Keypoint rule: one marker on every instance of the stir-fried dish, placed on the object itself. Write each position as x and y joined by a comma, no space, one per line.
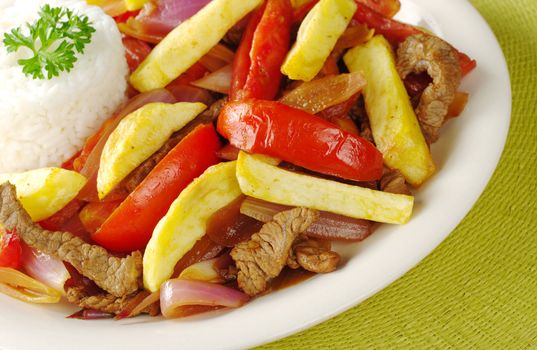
179,156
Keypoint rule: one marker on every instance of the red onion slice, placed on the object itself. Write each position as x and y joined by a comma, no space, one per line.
218,81
177,293
86,314
329,226
44,268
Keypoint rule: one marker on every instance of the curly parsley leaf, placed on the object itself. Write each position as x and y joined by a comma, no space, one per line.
54,39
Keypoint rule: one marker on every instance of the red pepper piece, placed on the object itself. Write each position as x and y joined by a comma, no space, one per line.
135,52
263,48
58,220
290,134
130,226
94,214
10,249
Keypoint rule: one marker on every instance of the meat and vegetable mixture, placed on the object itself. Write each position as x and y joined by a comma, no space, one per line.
253,135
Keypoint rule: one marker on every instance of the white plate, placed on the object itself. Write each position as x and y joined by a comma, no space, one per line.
466,154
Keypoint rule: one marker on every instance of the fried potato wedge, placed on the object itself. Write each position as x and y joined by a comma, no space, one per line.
317,36
393,121
260,179
188,42
138,136
43,192
186,221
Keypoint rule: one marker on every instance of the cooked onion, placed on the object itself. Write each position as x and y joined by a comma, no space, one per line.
45,268
141,302
88,314
208,270
218,81
20,286
329,226
177,293
187,93
317,95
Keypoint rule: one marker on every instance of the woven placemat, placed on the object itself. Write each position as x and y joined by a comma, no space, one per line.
478,290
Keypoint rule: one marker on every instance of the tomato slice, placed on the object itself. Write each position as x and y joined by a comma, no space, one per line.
130,226
263,48
290,134
136,51
10,248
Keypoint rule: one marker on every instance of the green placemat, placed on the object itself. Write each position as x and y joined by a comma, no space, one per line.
478,290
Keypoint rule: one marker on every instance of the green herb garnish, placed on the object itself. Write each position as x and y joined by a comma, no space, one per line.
54,39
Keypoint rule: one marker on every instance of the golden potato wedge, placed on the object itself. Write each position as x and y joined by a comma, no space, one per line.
393,122
138,136
133,5
316,38
43,192
186,221
190,41
260,179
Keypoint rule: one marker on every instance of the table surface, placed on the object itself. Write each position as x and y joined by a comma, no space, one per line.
478,289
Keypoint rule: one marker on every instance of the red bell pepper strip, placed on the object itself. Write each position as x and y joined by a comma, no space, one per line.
396,32
387,8
290,134
130,226
136,51
10,248
94,214
263,48
57,221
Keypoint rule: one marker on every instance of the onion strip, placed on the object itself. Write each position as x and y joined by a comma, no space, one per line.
45,268
20,286
329,226
177,293
218,81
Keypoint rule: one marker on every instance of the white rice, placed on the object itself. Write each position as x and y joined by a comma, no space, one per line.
44,122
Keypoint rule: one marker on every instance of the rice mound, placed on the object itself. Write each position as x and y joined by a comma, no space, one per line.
44,122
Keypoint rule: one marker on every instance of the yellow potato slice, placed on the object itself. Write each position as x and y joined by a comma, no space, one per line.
43,192
317,36
262,180
133,5
138,136
190,41
393,122
186,221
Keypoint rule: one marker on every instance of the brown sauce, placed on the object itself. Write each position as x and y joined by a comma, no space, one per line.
228,226
288,278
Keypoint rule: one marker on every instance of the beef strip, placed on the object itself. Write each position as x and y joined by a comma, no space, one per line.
427,53
117,276
263,257
359,115
394,182
313,255
105,302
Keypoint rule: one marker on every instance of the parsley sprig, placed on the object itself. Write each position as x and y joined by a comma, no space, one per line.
54,39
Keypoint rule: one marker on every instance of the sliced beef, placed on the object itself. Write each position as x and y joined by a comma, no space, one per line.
263,257
394,182
312,255
427,53
105,302
117,276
